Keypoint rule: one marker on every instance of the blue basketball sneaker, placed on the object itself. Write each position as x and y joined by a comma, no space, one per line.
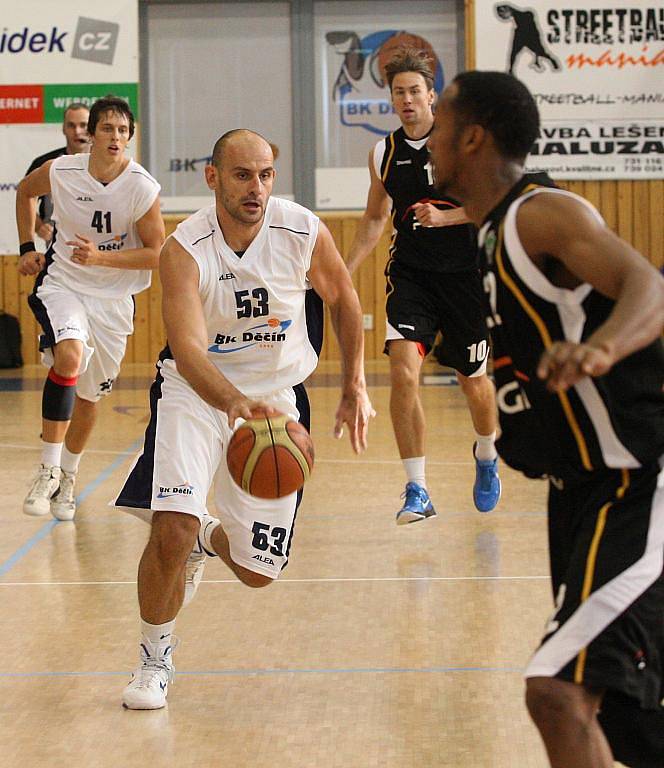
487,488
417,505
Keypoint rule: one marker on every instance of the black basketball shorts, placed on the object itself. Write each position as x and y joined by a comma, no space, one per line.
422,303
606,541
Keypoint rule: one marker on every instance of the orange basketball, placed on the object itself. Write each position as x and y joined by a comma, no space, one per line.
270,456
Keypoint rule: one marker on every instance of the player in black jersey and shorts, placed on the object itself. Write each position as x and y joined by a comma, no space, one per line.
433,285
576,318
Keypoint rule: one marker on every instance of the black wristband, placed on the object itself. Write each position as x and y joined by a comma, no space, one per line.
26,247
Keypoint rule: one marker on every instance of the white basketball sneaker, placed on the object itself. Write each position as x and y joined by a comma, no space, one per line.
63,503
45,484
149,682
196,561
193,572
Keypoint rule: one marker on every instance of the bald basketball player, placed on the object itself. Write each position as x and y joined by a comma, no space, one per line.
247,268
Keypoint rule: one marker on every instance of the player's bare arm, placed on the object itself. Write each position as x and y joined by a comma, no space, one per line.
588,251
150,228
372,223
187,335
331,280
43,229
430,216
30,189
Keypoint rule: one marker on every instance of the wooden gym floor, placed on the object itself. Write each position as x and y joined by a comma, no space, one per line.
398,647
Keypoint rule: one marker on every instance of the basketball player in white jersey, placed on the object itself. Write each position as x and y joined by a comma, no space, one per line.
244,330
108,232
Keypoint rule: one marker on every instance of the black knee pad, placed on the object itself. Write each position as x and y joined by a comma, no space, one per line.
58,398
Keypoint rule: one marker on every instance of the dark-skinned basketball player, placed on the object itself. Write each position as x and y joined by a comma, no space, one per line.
433,285
576,317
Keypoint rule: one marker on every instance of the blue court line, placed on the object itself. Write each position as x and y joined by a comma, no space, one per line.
275,671
22,551
106,473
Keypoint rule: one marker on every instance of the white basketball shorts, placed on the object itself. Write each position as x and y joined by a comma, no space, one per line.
102,325
184,454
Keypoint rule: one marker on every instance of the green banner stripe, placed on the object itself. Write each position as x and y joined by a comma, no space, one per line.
58,97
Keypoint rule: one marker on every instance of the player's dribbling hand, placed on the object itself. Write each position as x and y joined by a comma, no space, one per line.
564,363
84,251
355,411
242,407
31,263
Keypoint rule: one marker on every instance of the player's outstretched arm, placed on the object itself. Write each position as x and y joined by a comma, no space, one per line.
372,223
150,228
566,229
33,186
331,281
187,335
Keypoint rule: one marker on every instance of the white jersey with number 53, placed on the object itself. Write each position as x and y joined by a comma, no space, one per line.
255,304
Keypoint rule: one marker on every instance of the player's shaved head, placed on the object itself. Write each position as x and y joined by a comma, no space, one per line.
240,138
241,174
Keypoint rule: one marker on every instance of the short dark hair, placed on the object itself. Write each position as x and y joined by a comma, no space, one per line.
113,104
408,59
220,144
503,105
74,105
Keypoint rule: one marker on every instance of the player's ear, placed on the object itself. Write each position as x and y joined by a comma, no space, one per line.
473,137
211,176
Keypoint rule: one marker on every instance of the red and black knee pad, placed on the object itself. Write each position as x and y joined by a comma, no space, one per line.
59,396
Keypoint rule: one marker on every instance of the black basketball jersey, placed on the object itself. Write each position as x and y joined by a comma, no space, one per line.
404,167
612,421
45,202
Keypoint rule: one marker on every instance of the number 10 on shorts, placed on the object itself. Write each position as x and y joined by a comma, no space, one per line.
477,352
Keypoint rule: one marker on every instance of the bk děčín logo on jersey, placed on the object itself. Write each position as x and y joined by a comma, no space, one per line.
114,243
265,334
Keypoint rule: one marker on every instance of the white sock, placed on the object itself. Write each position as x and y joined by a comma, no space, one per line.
51,453
485,449
415,470
69,461
157,634
208,525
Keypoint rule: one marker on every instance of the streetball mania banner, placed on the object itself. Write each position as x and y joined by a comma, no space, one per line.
597,74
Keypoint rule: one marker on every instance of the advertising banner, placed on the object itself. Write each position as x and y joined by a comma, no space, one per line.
596,71
354,108
51,55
